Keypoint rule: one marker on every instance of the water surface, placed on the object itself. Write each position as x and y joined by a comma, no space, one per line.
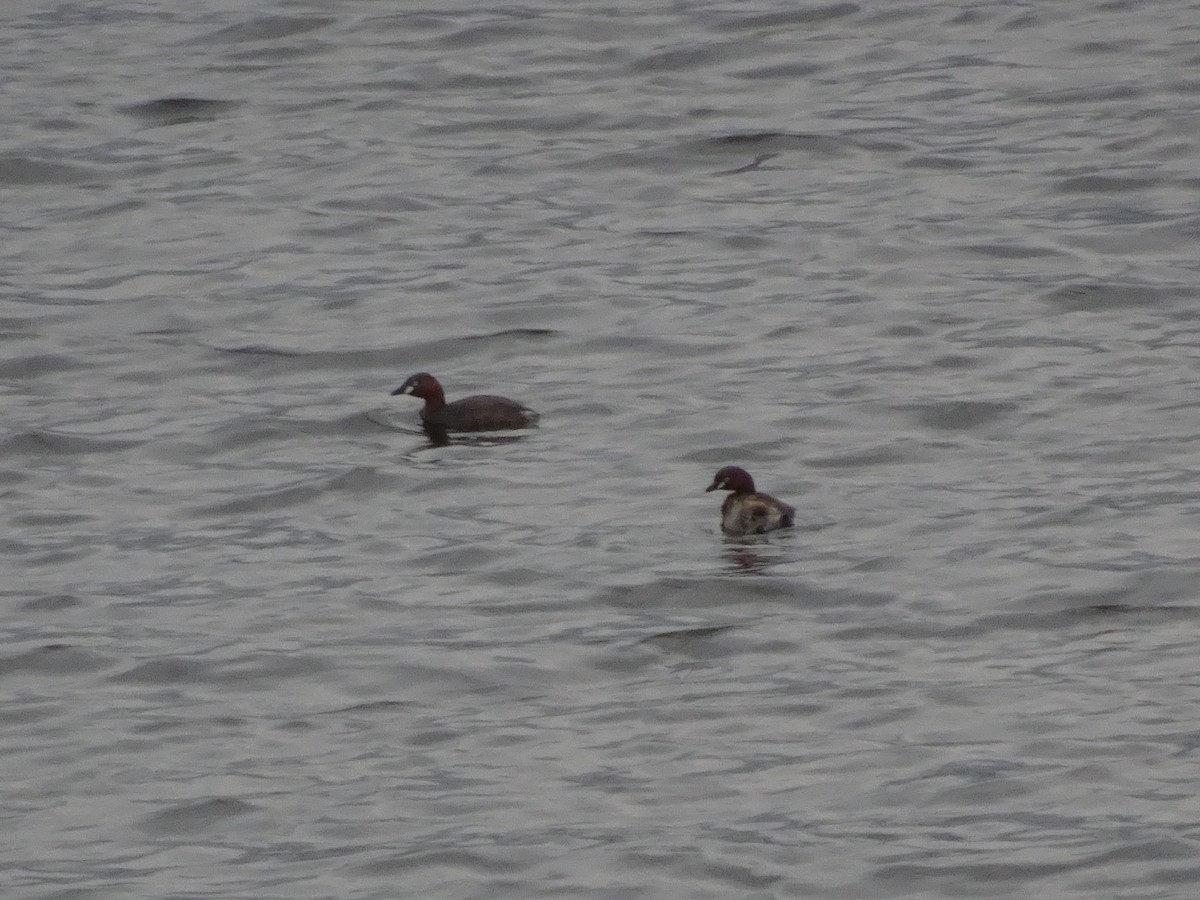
927,270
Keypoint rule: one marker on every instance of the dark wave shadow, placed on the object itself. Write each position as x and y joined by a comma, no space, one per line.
409,357
178,110
683,640
43,442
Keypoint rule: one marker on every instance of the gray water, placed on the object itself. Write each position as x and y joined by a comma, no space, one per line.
927,270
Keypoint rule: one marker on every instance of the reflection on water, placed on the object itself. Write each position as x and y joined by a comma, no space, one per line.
440,437
752,553
746,559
